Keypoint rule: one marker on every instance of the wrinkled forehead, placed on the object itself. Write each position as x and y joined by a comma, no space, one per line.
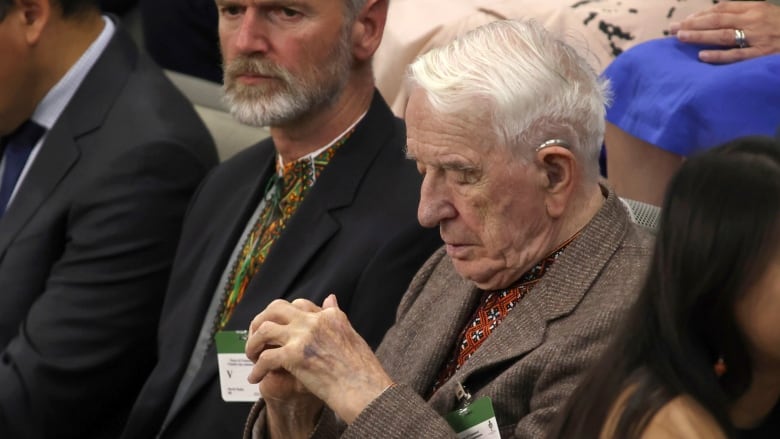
429,129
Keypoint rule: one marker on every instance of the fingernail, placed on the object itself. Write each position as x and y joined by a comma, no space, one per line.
683,34
674,27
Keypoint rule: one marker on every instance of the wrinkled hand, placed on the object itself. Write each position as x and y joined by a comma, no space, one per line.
321,350
715,26
291,410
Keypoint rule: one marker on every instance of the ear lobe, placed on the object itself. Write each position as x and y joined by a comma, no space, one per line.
368,29
558,165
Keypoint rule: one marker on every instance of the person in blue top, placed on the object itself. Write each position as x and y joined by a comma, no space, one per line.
716,79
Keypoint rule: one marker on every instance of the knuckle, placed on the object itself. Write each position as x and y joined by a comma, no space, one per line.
277,303
264,328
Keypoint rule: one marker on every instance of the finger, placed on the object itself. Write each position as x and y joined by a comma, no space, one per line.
674,27
305,305
719,37
729,56
732,7
267,336
279,311
330,302
711,21
270,360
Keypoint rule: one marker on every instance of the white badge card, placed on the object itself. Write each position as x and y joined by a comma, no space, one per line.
234,367
475,421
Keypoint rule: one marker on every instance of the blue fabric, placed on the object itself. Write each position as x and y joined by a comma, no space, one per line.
665,96
16,152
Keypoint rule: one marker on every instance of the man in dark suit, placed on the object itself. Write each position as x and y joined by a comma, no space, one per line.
100,157
327,205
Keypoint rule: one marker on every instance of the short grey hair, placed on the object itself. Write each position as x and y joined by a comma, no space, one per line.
534,86
354,7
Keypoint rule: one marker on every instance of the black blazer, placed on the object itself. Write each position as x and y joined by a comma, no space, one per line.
86,249
355,234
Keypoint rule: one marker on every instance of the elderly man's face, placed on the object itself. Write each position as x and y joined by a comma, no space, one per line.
488,204
283,59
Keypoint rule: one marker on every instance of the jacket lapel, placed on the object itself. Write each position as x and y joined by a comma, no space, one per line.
57,155
212,260
430,329
316,219
60,151
312,225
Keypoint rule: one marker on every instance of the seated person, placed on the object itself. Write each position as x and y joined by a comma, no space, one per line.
325,205
99,155
598,29
676,96
540,260
699,354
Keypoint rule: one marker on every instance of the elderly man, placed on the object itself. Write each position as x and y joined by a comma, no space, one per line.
326,205
540,262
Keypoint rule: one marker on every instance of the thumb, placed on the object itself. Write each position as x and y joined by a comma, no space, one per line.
330,302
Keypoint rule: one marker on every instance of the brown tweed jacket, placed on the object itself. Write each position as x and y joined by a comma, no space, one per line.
532,360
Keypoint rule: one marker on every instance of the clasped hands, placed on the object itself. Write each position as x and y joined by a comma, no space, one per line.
306,356
759,20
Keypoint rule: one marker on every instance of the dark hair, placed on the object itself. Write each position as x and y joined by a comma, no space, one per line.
68,7
74,7
5,6
718,231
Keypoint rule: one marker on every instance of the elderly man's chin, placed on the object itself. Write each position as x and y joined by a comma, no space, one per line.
485,273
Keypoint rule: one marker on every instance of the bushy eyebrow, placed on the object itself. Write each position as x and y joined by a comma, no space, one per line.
447,165
457,166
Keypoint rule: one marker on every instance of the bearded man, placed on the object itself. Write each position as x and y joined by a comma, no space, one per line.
326,205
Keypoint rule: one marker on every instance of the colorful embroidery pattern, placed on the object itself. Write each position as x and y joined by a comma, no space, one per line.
491,311
284,193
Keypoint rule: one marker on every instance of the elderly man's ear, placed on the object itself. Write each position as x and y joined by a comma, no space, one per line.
559,168
368,29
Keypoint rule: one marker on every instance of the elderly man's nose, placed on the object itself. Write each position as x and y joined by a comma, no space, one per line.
434,205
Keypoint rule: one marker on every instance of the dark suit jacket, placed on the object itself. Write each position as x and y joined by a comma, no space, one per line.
355,234
529,364
86,248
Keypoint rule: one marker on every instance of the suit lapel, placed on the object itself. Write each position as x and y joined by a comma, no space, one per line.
312,225
56,157
60,151
212,261
430,329
554,297
315,222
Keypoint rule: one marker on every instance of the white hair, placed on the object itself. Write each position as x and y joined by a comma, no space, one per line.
534,86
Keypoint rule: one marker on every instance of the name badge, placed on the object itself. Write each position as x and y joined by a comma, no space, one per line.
475,421
234,367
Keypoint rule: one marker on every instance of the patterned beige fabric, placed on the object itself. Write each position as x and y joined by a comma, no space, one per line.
599,29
